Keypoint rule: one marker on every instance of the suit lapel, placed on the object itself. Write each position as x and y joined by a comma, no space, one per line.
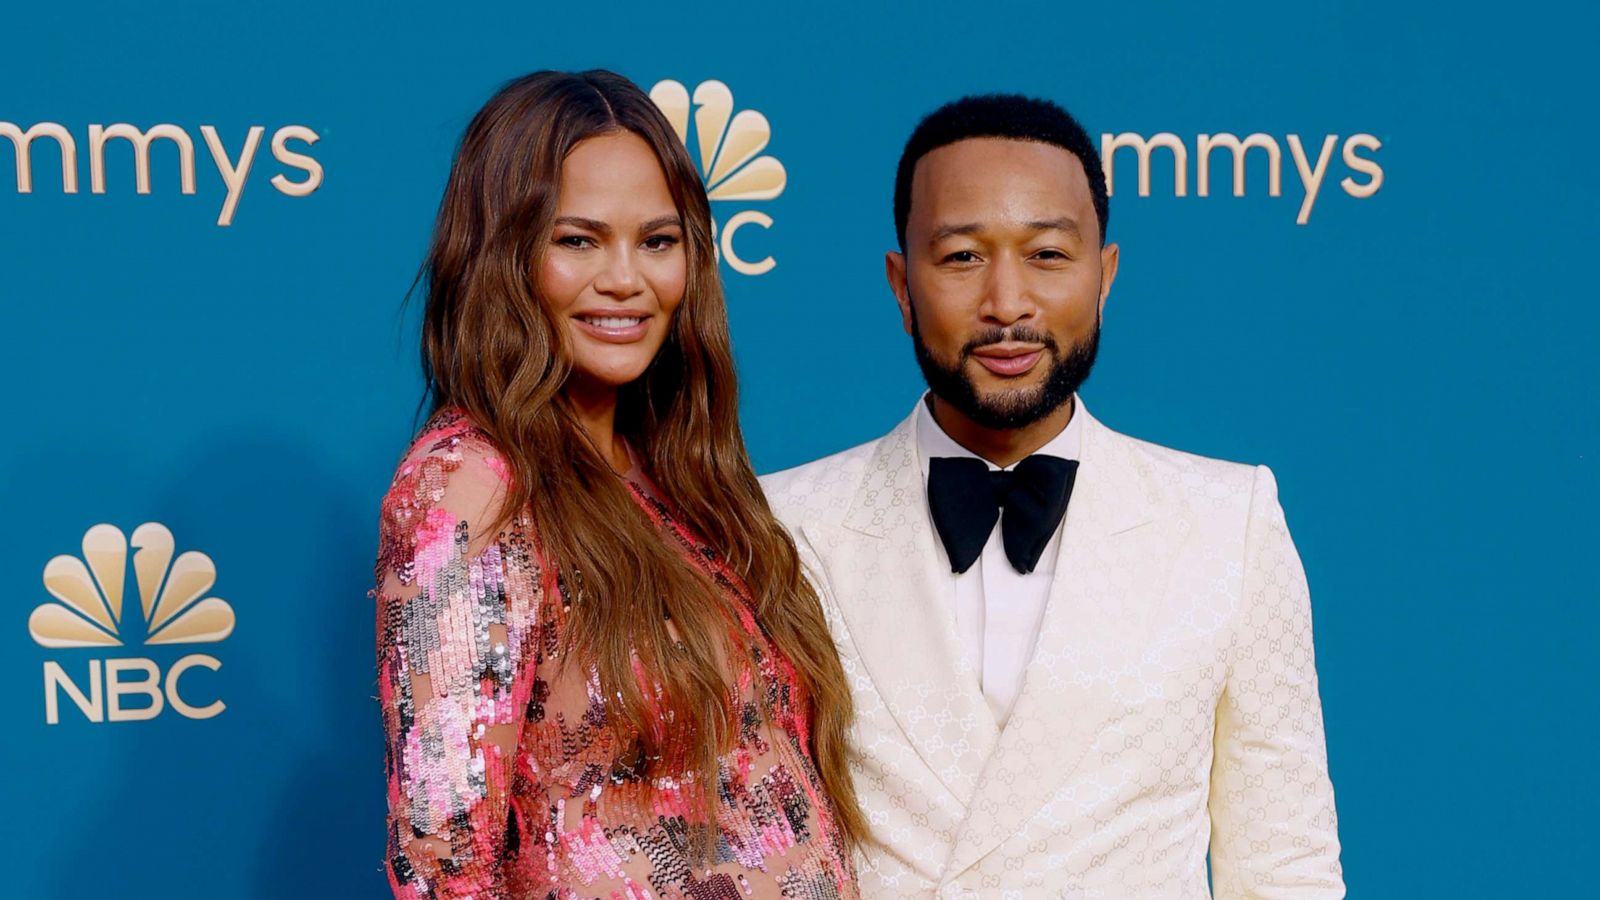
1115,552
885,568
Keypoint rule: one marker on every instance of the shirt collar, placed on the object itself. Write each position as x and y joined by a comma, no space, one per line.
933,441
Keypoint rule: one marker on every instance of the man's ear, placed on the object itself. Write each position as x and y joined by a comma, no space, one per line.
1108,272
894,268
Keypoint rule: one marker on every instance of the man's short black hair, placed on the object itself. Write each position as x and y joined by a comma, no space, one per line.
998,116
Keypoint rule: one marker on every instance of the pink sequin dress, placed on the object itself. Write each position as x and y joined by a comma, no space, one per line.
511,759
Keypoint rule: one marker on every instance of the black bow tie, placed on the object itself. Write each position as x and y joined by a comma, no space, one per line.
966,498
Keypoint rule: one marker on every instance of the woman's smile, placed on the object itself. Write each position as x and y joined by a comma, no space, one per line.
614,327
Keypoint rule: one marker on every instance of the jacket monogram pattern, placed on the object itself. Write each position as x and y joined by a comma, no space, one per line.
1170,708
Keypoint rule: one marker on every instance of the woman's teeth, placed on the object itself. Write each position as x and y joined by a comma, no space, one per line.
612,321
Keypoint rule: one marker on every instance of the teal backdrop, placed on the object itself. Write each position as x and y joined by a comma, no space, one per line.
1415,362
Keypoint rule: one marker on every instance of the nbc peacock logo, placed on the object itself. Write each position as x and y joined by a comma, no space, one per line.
729,147
88,612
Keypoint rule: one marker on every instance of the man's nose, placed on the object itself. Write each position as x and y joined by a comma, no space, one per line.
1006,299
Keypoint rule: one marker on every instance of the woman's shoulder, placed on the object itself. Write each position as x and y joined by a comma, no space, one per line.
449,432
450,441
451,465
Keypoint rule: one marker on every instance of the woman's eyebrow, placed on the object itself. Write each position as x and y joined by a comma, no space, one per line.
594,225
662,222
599,227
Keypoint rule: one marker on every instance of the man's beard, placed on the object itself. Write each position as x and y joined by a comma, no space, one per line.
1014,408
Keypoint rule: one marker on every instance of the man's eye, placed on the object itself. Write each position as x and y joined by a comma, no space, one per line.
1051,255
961,256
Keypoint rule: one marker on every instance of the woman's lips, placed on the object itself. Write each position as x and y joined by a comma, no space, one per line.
612,329
1007,363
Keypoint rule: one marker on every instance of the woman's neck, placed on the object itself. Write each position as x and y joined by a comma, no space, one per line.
596,409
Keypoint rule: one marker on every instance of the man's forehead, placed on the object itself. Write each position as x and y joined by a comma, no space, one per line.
998,173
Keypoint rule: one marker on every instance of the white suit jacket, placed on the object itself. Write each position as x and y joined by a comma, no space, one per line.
1170,707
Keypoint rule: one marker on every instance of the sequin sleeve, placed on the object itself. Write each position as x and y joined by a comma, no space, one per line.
455,608
1274,830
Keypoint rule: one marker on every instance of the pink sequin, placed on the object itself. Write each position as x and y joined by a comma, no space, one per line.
509,762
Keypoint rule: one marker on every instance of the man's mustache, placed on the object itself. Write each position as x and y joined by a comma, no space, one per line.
1021,334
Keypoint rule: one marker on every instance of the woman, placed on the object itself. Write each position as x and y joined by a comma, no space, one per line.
602,673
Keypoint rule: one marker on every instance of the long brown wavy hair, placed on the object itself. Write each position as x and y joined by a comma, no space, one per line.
493,348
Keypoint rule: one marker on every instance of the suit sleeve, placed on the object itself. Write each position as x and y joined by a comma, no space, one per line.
455,609
1274,832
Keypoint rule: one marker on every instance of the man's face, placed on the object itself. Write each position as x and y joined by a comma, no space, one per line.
1003,279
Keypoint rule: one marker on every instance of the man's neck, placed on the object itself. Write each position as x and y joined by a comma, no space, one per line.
1001,446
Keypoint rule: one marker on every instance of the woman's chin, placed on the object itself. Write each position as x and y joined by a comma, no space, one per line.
608,377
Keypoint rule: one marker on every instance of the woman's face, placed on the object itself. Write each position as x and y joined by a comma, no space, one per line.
616,266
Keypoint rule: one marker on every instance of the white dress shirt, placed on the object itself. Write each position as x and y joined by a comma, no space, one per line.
997,609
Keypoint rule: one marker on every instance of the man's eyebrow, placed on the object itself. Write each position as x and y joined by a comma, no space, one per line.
1060,223
946,231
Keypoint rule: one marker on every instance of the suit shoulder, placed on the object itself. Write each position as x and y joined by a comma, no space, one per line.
819,486
1200,483
1185,461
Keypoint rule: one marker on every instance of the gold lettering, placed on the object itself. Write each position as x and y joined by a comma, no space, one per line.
184,665
1309,177
233,175
141,140
1110,144
150,686
739,220
312,168
56,680
1205,143
21,140
1362,164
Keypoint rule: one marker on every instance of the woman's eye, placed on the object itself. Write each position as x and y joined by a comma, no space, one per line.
576,241
660,242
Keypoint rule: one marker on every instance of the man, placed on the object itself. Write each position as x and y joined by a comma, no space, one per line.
1081,662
